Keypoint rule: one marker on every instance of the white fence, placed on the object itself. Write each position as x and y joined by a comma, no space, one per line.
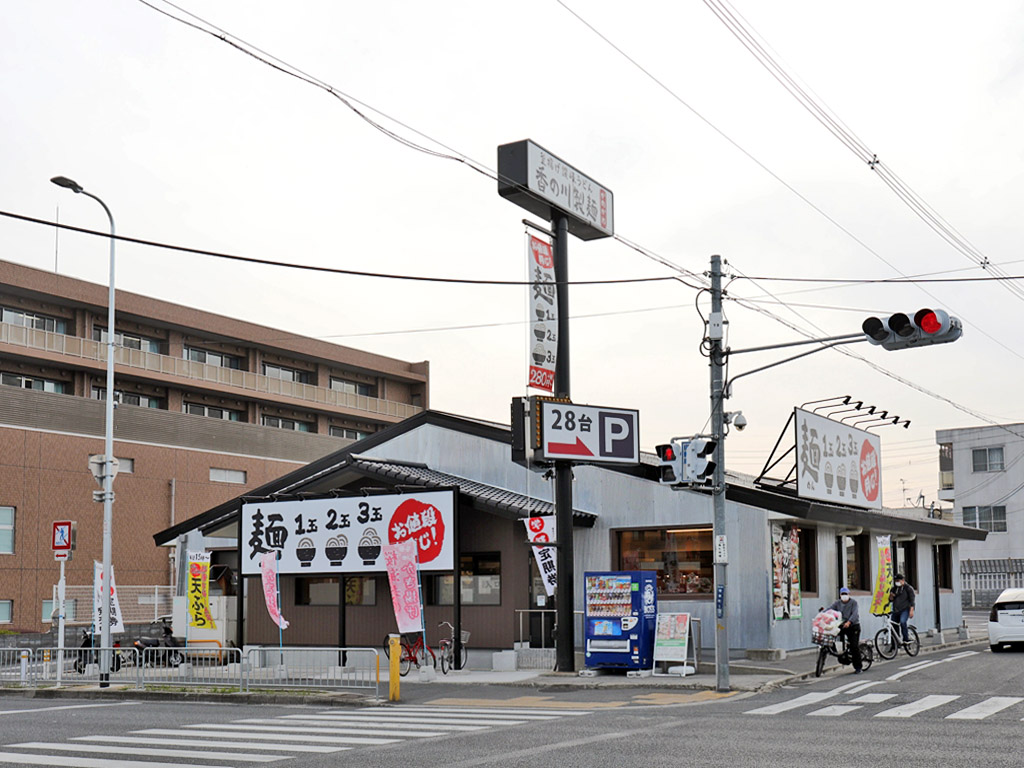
139,604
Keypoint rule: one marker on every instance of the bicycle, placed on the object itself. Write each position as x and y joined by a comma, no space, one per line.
446,649
412,653
889,639
828,647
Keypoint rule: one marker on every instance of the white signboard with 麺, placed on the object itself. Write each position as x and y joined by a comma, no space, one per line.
837,463
346,535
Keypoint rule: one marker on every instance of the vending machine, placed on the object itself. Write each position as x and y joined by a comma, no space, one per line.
621,610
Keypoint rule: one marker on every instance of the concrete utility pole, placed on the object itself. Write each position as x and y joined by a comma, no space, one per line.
715,336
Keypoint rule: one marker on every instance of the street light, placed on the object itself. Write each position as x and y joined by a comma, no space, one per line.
108,440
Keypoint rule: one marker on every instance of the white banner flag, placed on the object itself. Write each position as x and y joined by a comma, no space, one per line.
116,625
543,529
543,314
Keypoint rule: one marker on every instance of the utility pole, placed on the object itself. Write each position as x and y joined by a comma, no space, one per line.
716,336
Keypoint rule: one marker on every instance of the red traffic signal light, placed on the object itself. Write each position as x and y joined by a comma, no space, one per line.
900,331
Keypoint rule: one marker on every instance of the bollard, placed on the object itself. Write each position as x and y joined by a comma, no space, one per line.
24,667
394,652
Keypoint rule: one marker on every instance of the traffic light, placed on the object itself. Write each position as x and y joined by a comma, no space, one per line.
698,466
901,331
670,462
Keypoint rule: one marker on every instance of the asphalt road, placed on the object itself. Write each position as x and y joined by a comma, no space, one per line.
961,707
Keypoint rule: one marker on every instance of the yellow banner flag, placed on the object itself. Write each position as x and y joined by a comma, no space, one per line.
199,591
883,581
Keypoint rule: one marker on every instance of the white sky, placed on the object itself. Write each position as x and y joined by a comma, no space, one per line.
191,142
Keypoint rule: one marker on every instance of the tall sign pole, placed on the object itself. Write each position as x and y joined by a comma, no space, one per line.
548,187
715,336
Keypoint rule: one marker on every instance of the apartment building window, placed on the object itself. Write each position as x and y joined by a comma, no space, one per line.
279,423
6,611
6,530
352,387
212,412
857,574
128,398
286,374
991,519
348,433
218,475
681,559
33,382
206,357
128,340
987,459
32,320
945,466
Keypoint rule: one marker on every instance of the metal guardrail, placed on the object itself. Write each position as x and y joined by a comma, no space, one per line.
327,668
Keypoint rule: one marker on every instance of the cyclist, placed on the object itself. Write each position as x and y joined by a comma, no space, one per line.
850,628
902,598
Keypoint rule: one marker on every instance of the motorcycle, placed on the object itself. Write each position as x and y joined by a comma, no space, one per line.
93,656
163,651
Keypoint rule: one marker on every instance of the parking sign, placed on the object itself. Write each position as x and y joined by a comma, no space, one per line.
589,433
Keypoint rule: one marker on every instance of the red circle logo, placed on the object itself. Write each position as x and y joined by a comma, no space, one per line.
421,522
869,471
536,524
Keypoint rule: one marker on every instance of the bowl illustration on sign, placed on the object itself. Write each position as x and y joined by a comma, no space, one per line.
853,479
369,546
828,476
336,549
841,478
539,354
305,552
540,332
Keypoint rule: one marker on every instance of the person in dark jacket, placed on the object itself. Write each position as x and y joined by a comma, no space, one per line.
850,628
902,598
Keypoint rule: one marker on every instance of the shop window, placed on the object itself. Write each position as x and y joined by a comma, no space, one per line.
682,558
906,561
479,579
6,530
323,590
857,572
809,560
943,566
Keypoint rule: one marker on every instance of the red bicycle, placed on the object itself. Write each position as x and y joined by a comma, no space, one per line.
411,653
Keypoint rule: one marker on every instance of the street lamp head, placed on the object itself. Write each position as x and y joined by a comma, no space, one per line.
64,181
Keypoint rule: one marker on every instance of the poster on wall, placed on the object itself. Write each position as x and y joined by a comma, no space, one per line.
785,572
347,535
883,579
836,462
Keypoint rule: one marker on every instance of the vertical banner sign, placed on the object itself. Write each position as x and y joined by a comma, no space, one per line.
268,567
883,580
199,591
543,314
543,529
403,577
785,573
116,624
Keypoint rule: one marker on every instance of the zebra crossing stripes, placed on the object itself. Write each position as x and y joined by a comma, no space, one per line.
920,705
978,711
245,757
983,709
836,710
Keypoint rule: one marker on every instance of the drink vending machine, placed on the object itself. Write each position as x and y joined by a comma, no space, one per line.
621,610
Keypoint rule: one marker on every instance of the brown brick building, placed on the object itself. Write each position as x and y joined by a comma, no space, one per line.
208,407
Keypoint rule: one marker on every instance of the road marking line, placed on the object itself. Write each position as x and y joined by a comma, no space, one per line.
383,719
906,672
914,707
151,751
281,724
962,655
983,709
863,687
342,720
874,698
531,714
918,664
834,711
195,742
77,761
66,706
213,734
800,701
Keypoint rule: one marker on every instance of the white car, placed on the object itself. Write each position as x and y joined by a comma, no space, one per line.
1006,621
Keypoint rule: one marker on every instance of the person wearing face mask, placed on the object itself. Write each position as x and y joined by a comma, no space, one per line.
850,628
902,598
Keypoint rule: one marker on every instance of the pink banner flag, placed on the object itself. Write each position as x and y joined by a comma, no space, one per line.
268,565
405,591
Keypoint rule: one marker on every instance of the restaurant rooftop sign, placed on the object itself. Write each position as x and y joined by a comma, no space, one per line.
545,185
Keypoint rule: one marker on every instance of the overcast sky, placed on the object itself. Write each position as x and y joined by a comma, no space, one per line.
192,142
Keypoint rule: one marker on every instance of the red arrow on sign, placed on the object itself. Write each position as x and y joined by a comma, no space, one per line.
573,449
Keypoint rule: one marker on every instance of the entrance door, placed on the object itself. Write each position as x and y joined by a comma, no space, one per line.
541,616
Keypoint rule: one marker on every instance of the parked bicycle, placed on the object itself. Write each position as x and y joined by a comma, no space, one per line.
411,653
446,650
889,639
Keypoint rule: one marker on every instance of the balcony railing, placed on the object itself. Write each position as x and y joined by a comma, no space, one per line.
165,365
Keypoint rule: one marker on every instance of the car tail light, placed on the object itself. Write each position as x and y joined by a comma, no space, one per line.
994,615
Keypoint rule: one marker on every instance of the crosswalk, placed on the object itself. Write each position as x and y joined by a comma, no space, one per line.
883,704
258,740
